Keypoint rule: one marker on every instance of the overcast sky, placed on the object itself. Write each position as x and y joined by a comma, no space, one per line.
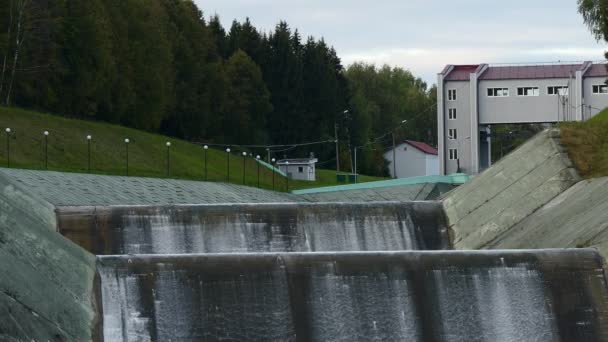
425,35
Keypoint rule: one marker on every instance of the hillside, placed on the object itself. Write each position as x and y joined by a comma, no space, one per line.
67,151
587,145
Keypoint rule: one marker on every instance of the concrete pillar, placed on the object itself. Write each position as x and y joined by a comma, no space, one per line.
441,124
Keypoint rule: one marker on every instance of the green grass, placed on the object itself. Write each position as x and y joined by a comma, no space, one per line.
67,151
587,145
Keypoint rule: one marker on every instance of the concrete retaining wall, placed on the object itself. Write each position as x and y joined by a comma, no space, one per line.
576,218
46,282
502,196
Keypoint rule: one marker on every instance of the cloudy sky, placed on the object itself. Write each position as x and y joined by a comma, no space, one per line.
424,35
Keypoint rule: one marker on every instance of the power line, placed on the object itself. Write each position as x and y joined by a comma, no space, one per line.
375,140
288,146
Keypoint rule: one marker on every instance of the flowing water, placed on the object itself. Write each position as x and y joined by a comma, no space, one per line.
327,272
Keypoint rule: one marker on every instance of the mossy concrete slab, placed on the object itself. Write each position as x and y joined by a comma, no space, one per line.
499,198
47,281
576,218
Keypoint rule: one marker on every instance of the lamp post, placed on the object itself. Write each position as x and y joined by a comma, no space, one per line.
257,158
228,173
345,113
89,137
46,150
287,174
206,148
356,173
8,147
244,156
273,172
127,141
395,151
168,158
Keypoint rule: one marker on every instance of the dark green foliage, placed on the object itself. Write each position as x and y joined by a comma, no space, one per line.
595,14
158,65
381,99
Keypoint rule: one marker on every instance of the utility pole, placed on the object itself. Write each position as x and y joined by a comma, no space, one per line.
356,173
337,149
394,158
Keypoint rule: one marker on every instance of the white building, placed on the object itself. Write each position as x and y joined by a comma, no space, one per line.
300,169
472,98
414,159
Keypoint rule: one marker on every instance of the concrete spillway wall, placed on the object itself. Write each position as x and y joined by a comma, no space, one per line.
46,281
576,218
241,228
499,198
404,296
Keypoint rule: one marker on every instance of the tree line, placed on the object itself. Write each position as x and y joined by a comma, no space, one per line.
162,66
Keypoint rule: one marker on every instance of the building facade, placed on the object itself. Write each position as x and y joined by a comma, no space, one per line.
299,169
472,98
413,159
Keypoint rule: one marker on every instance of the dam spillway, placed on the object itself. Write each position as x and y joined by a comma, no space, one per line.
160,270
243,228
325,272
384,296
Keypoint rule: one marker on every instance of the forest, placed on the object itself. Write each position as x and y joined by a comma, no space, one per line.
164,67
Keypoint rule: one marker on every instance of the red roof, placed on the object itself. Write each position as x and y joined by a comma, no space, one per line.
461,73
426,148
530,71
597,70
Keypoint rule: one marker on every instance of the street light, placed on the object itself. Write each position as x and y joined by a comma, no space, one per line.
287,174
273,172
168,158
127,141
46,150
206,148
395,151
345,113
257,158
8,147
244,156
89,137
228,157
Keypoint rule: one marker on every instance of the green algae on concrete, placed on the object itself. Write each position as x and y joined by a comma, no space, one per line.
77,189
505,194
46,287
576,218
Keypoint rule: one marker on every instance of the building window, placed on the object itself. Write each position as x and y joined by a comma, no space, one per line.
300,169
452,114
498,92
600,89
452,134
451,94
528,91
453,154
557,90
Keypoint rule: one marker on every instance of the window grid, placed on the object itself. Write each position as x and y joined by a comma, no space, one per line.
528,91
498,92
453,154
451,94
557,90
600,89
452,114
452,134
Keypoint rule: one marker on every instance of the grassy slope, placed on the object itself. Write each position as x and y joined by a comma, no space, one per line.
147,152
587,145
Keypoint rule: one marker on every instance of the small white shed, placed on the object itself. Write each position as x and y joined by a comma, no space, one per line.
300,169
414,159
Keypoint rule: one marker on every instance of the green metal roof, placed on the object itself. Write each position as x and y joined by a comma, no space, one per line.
457,179
272,168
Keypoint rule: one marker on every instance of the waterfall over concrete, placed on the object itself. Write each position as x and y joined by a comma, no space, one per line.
386,296
256,228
